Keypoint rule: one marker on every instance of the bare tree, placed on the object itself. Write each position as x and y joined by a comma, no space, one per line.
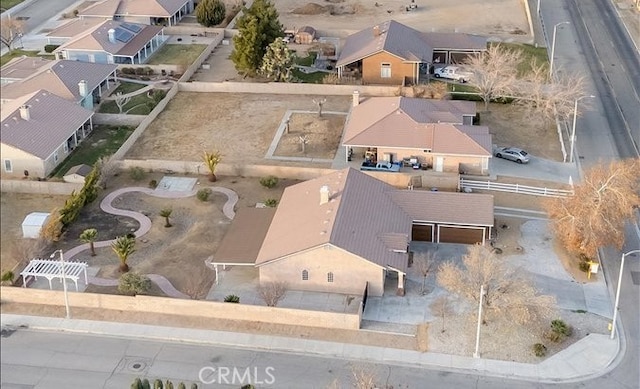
272,292
108,167
303,143
595,216
506,293
199,284
10,30
423,263
23,250
441,307
494,72
121,101
320,104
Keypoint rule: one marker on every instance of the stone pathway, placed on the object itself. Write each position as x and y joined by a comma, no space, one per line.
145,227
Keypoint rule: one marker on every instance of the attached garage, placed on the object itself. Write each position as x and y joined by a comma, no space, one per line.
422,232
461,234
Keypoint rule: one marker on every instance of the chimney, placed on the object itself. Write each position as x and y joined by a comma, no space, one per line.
83,89
356,98
112,35
376,30
24,112
324,195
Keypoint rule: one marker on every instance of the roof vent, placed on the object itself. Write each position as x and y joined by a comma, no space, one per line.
355,98
324,195
112,35
376,30
24,112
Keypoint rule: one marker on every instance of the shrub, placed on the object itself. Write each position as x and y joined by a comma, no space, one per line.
269,181
232,298
137,173
139,71
148,71
271,203
153,184
584,266
203,194
539,350
134,283
7,276
128,70
157,384
560,327
50,48
146,384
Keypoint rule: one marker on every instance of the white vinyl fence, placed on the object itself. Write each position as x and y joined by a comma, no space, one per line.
514,188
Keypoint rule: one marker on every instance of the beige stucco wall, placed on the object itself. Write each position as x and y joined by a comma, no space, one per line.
20,162
399,69
451,163
350,272
208,310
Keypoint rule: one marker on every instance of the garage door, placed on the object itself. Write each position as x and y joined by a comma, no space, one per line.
460,235
422,233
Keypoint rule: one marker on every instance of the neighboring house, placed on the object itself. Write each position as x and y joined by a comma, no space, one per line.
71,29
114,42
436,133
153,12
77,174
346,230
76,81
20,68
395,54
38,131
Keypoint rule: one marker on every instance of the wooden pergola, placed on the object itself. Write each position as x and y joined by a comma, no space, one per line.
50,269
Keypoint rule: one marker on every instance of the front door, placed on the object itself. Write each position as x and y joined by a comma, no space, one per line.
439,164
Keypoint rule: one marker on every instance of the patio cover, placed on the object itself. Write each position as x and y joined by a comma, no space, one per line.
51,268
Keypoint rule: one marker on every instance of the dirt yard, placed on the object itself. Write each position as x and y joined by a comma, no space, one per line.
505,19
321,136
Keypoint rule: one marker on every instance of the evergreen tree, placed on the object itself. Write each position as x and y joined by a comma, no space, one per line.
210,13
258,27
277,62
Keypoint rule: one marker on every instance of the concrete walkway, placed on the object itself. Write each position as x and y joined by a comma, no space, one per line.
145,227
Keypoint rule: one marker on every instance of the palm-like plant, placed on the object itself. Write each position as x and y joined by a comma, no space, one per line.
211,160
124,246
89,236
165,213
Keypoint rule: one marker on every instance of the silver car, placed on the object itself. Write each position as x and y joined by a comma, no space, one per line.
512,154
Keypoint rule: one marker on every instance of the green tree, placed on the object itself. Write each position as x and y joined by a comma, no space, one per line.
124,246
89,236
134,283
277,62
210,13
258,27
166,213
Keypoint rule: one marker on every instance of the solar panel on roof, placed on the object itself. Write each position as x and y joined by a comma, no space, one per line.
123,35
132,27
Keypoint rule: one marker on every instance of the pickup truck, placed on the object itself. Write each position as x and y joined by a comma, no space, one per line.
380,166
452,73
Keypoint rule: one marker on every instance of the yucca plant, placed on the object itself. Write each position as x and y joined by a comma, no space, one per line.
211,160
89,236
124,246
165,213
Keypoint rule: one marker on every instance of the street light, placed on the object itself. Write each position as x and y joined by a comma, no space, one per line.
476,353
573,130
553,47
615,308
64,282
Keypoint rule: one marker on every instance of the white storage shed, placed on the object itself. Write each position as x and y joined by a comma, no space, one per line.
33,223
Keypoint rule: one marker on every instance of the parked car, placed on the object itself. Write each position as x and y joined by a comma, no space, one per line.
512,154
452,73
382,166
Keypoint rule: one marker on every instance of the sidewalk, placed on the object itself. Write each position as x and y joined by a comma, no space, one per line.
590,357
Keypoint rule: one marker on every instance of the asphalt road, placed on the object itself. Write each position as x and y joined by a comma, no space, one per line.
39,12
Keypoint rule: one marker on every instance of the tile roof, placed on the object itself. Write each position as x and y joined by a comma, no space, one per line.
245,235
455,41
106,8
391,37
74,27
360,217
52,121
97,39
404,122
446,207
61,77
22,67
153,8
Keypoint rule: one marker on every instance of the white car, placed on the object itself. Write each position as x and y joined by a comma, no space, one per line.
512,154
452,73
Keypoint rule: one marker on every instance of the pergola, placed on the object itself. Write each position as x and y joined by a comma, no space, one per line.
50,269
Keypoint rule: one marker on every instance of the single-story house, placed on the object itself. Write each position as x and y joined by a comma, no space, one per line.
81,82
71,29
151,12
305,35
346,230
38,132
20,68
114,42
77,174
395,54
434,133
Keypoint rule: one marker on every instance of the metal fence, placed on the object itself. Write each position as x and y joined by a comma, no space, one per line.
514,188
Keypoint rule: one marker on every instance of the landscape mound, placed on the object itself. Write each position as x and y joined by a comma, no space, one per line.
310,9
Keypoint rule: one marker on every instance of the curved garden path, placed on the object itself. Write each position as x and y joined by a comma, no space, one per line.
145,226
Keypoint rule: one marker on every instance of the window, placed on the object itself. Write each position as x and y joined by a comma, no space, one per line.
385,70
55,157
305,275
66,147
330,277
8,167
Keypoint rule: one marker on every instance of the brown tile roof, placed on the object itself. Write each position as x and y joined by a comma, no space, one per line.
61,78
74,27
455,41
244,237
404,122
446,207
360,217
152,8
52,121
97,39
391,37
22,67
